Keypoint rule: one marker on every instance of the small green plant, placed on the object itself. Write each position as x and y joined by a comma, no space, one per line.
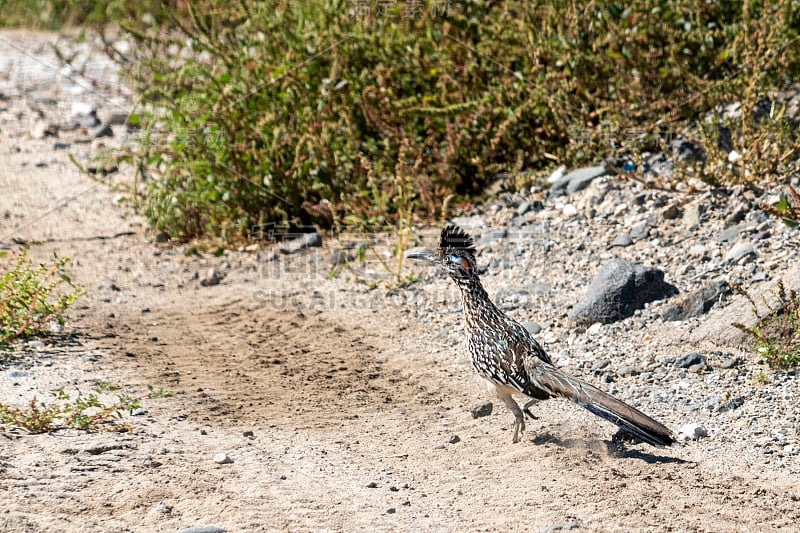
786,210
761,378
776,332
29,296
87,412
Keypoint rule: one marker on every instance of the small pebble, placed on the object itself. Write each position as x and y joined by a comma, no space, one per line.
484,409
162,507
730,362
454,439
693,431
569,211
622,240
691,359
222,459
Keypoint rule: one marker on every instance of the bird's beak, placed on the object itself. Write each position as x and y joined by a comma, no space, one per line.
425,256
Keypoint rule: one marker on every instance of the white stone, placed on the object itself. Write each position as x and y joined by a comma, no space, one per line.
222,459
570,211
81,109
594,329
693,431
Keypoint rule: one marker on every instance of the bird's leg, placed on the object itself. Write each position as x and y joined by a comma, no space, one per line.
527,409
519,420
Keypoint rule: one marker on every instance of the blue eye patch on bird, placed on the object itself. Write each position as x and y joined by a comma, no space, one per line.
458,260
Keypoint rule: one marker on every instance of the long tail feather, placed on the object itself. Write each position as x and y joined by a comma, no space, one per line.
602,404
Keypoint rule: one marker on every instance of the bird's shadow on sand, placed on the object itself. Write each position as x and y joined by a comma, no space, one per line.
610,448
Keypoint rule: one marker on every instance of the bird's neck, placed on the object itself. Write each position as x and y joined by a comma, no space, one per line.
478,308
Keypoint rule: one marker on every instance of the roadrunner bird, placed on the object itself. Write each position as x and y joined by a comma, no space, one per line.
503,352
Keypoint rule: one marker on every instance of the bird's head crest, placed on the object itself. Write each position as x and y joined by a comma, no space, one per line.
455,240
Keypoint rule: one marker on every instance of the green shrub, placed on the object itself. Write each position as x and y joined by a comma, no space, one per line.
776,332
29,299
88,412
306,111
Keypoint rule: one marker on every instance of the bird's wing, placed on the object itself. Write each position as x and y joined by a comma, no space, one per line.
525,345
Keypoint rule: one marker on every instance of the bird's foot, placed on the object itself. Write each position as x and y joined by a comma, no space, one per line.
519,429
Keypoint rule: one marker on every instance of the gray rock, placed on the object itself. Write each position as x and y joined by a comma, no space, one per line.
693,431
691,359
523,208
58,145
698,302
307,240
640,231
162,237
671,212
139,411
730,405
730,362
484,409
576,180
618,290
103,130
622,240
454,439
532,327
742,252
213,278
14,373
